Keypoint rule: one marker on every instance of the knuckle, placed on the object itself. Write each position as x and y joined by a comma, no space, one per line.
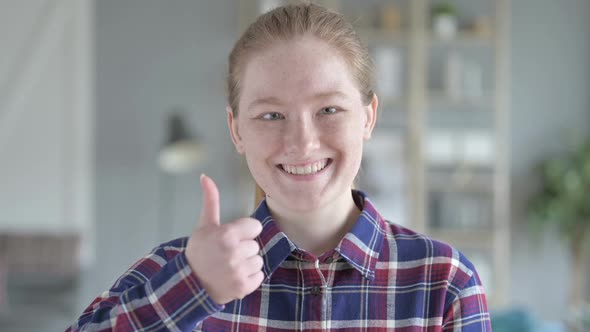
251,224
257,246
255,224
259,277
251,247
240,271
241,288
258,262
234,265
228,239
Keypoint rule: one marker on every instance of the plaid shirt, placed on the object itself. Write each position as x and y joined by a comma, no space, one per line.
381,277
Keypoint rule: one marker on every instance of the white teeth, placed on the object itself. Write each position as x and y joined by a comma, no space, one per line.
307,169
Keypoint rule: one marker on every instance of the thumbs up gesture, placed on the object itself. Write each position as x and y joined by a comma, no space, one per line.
224,257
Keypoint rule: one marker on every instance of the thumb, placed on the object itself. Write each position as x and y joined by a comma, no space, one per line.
210,207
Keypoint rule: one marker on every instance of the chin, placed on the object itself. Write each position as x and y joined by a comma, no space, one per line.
300,203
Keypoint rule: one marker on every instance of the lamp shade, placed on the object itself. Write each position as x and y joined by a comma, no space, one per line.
181,153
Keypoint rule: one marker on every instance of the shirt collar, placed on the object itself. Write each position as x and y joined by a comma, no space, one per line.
360,247
274,244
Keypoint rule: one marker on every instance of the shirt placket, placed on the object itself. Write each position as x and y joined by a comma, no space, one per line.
314,294
322,294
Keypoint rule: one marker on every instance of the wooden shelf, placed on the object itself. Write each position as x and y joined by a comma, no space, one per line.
460,182
440,98
463,38
381,36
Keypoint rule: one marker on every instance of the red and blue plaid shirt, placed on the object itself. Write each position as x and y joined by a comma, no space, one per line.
381,277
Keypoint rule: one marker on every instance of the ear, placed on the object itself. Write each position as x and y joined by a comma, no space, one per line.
232,124
370,117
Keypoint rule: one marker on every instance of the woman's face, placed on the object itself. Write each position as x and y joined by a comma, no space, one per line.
301,123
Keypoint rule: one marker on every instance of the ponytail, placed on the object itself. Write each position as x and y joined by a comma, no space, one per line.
259,194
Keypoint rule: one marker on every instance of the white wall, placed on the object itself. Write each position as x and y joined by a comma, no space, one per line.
46,129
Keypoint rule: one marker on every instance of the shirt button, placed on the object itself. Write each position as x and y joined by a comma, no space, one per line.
316,290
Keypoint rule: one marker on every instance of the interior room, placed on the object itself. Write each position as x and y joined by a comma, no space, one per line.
110,110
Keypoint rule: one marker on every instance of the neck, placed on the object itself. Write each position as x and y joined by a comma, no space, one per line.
319,230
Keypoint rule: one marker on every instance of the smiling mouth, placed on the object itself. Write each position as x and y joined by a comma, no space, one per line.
308,169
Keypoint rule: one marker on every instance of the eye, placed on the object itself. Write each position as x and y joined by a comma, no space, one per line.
272,116
328,110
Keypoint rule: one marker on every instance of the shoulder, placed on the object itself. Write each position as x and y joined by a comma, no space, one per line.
159,256
169,250
151,263
412,250
413,245
417,256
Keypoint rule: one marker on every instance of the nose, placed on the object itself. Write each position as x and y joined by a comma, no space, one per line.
302,137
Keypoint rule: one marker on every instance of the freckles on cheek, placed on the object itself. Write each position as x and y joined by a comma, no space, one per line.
346,132
257,137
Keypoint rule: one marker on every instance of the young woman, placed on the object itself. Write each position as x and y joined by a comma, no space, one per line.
315,254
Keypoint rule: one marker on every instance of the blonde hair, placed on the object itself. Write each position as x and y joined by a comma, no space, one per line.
287,23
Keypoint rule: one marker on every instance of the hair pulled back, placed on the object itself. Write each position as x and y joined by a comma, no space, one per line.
294,21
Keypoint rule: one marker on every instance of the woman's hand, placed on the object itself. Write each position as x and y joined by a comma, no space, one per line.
225,258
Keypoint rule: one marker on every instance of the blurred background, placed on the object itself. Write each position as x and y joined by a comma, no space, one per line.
110,110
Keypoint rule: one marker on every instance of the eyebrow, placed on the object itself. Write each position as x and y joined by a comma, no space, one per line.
276,101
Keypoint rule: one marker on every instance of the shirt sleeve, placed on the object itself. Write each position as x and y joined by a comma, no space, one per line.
155,294
468,311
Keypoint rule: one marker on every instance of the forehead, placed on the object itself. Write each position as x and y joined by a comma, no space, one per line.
296,69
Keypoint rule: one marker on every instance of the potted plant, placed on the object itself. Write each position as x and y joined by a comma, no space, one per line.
444,20
564,202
